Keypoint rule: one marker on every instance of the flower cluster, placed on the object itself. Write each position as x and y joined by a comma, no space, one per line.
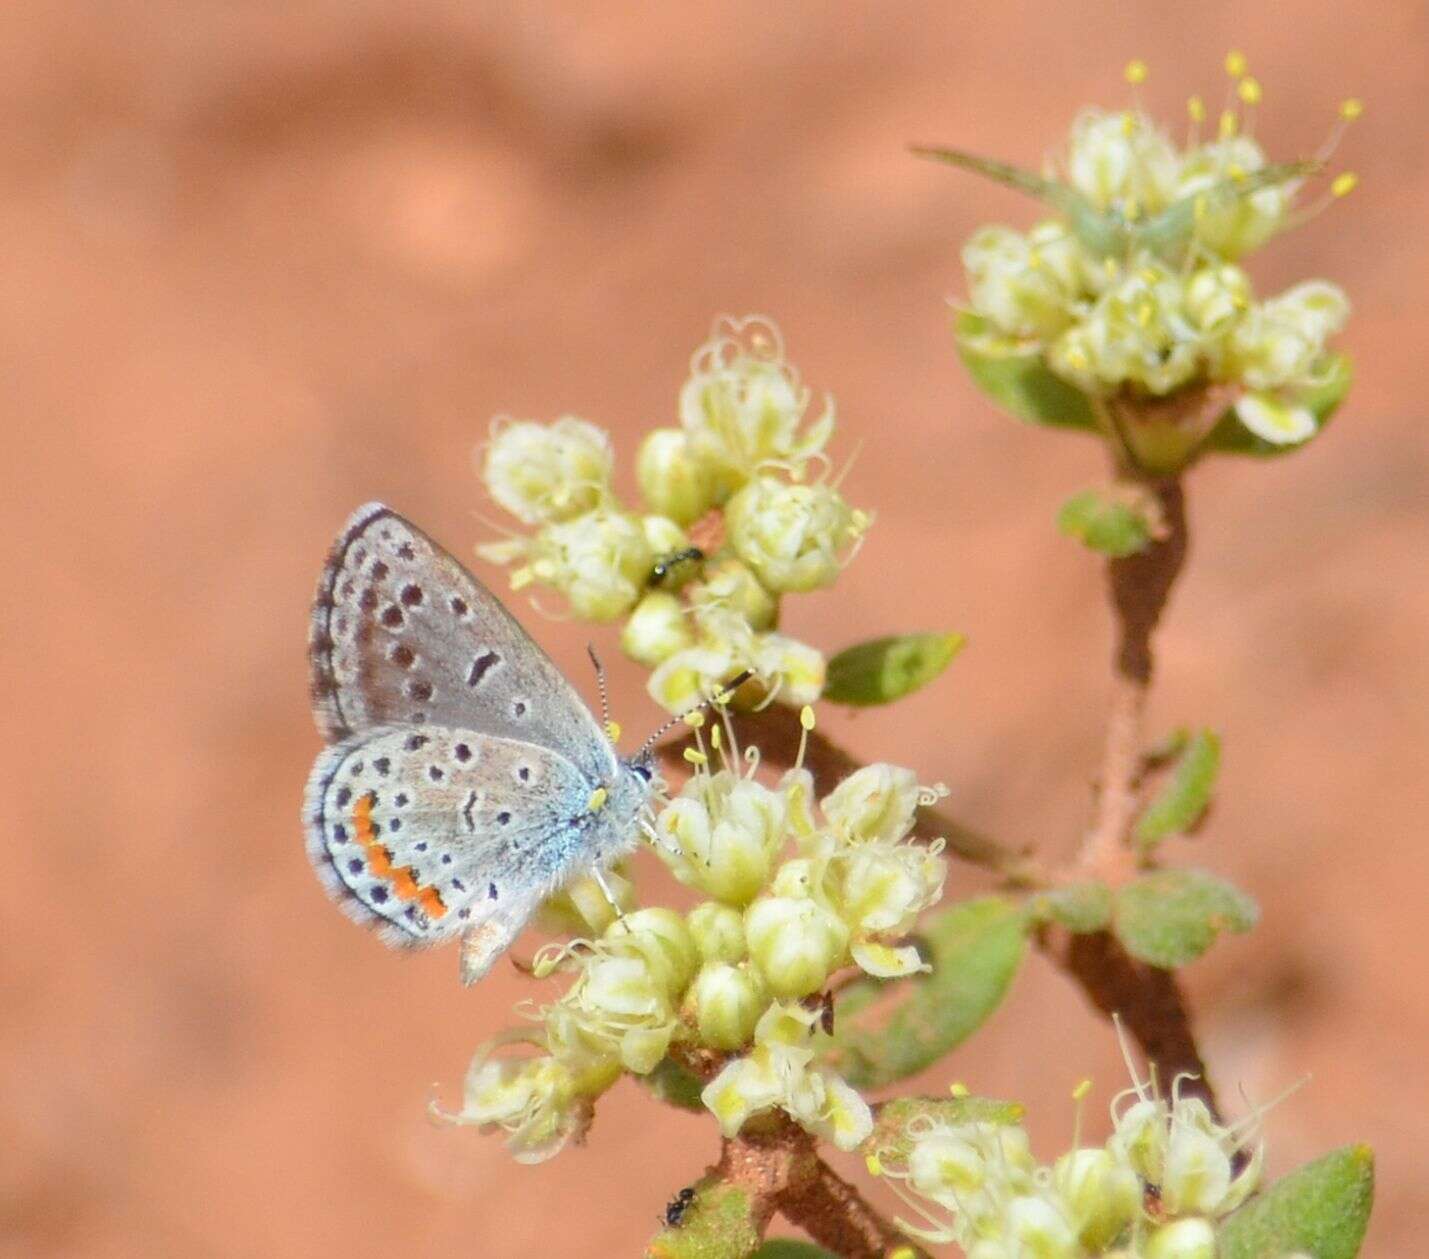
791,893
731,522
1136,291
1154,1190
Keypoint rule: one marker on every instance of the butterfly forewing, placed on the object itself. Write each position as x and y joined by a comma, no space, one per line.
403,634
430,832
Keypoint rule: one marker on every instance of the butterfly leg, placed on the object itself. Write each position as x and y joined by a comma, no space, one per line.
605,890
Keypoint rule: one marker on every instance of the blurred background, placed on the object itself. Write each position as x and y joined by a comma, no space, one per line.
261,262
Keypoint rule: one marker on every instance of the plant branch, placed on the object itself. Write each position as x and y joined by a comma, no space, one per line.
773,1166
1139,586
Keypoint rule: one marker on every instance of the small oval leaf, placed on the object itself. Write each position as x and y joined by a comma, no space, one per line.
1321,1210
788,1248
1180,803
974,949
1017,378
885,669
675,1084
1231,437
717,1223
1080,907
1106,522
1171,917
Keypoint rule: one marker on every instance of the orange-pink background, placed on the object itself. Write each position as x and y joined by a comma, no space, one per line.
261,262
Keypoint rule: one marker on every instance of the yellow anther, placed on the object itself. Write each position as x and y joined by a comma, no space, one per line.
1235,171
1248,89
806,717
958,1089
1128,125
612,731
1236,64
1229,124
694,719
1136,71
522,578
1351,109
1150,275
716,737
1081,1090
1344,184
1077,357
597,800
858,520
1196,107
875,1167
903,1252
695,756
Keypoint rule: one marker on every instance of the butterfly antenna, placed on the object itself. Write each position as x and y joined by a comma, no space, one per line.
721,696
600,684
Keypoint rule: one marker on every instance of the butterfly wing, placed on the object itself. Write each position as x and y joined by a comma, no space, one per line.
403,634
426,833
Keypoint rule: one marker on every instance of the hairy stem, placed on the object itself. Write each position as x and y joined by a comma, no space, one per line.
1139,586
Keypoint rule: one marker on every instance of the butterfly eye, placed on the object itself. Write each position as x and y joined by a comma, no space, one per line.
643,771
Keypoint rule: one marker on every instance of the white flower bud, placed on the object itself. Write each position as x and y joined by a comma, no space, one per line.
875,804
547,472
618,1007
727,830
729,584
1216,297
795,670
794,537
1232,226
1039,1228
538,1102
1025,285
796,943
656,630
718,931
661,937
599,561
581,908
743,405
725,1003
1101,1195
689,676
1182,1239
1121,160
662,535
674,480
1281,341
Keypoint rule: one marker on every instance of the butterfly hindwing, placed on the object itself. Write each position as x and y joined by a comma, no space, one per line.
431,832
403,634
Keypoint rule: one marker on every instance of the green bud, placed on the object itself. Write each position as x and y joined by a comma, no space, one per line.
1183,1239
718,932
674,480
797,944
656,630
725,1003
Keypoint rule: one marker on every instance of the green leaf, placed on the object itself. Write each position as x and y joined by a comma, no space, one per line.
1171,917
885,669
1321,1210
890,1130
717,1224
1231,437
1016,378
1080,907
786,1248
675,1084
1180,803
975,949
1107,521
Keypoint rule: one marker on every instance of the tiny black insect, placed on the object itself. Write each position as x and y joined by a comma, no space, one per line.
667,564
679,1204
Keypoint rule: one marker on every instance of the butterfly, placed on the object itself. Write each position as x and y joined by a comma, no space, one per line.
465,779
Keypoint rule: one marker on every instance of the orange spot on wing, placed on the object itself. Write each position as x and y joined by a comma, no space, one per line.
379,861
